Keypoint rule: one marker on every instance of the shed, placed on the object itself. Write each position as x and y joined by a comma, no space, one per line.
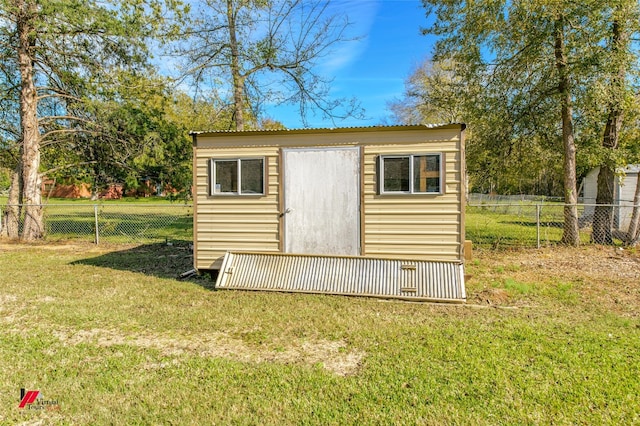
623,194
375,211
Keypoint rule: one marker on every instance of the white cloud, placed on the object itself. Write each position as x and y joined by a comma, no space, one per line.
361,15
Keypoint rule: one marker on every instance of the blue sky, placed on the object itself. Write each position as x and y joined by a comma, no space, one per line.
372,69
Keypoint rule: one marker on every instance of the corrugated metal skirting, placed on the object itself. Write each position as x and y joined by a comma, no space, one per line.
358,276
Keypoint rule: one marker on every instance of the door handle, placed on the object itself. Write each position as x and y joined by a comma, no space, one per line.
288,210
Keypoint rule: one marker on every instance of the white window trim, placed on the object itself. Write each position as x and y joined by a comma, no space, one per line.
411,191
212,177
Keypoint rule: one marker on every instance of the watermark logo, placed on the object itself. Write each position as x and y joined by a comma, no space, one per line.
27,397
35,400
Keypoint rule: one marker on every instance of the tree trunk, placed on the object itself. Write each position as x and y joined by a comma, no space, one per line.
603,215
11,214
33,227
633,235
570,233
238,80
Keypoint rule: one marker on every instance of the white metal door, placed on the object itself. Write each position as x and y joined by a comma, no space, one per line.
322,201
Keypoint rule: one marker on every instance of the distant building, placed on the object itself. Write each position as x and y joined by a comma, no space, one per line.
623,194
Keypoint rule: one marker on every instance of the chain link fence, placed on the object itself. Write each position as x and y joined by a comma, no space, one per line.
481,199
537,224
116,222
521,222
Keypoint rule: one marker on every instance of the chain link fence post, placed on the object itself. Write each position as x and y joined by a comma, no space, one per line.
538,225
95,215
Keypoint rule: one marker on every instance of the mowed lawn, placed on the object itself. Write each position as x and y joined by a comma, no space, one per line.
109,335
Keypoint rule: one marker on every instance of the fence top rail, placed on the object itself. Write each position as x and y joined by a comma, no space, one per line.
98,205
159,205
547,204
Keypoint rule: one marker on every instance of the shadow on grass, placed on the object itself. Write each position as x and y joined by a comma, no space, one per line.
158,259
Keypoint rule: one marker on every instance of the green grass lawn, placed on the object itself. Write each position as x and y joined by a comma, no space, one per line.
112,337
513,225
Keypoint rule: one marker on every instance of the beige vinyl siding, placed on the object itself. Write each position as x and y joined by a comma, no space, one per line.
398,226
235,222
418,226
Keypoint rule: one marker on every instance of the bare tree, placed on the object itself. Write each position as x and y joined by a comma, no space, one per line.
267,51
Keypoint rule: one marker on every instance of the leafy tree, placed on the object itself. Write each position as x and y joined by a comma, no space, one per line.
142,135
64,52
499,158
630,144
617,61
5,179
10,146
535,63
271,124
202,112
433,94
266,50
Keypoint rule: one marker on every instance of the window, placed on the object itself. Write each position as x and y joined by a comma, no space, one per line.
241,176
411,174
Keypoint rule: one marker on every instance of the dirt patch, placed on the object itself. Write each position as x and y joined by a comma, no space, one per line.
10,309
604,277
603,263
6,299
492,296
71,246
331,355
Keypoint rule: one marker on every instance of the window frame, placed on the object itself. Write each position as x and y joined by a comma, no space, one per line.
238,193
411,191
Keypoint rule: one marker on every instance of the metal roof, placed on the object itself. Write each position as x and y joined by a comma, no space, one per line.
437,281
330,129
